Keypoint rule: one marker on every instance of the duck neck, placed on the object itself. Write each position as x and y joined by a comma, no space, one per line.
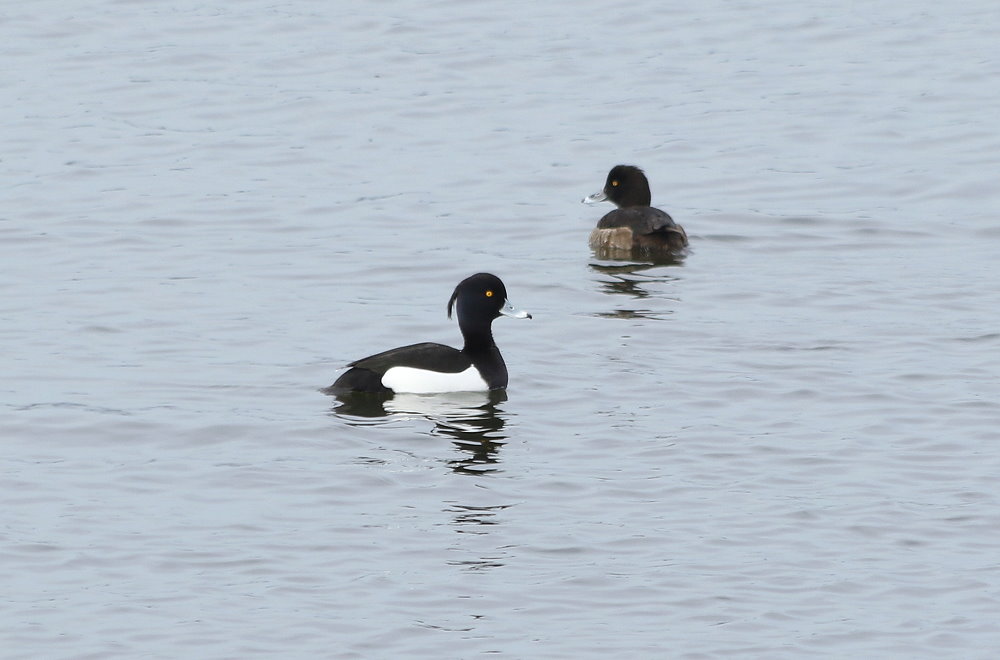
641,197
478,341
485,355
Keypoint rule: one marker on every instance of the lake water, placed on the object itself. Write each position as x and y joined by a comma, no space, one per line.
784,446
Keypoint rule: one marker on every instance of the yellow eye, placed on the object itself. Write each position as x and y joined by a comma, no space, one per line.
489,294
614,184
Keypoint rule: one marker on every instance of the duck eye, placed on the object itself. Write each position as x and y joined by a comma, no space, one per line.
614,184
489,294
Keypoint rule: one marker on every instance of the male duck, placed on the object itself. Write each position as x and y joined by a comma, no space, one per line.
634,225
432,368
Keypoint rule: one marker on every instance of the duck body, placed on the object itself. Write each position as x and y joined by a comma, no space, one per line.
429,367
634,225
424,368
638,228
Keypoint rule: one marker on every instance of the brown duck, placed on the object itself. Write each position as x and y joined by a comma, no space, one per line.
634,226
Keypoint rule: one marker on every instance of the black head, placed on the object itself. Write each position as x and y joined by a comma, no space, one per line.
481,298
478,296
627,186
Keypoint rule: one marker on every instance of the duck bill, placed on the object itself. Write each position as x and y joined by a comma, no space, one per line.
508,310
599,196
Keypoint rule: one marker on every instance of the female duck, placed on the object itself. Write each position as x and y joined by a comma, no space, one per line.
634,225
432,368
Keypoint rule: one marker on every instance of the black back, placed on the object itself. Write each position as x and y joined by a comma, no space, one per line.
366,374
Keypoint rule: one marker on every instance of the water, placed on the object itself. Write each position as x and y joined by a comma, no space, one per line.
783,446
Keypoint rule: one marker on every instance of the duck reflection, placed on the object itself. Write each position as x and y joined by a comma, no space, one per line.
472,420
632,256
476,521
475,517
631,281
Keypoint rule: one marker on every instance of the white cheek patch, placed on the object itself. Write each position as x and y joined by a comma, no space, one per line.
421,381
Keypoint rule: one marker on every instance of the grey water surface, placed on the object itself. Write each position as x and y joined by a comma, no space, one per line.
785,445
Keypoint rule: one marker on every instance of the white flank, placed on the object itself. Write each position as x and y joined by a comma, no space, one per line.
421,381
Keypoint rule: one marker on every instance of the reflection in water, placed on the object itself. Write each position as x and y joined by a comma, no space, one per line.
477,520
474,423
629,280
470,419
649,258
475,516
